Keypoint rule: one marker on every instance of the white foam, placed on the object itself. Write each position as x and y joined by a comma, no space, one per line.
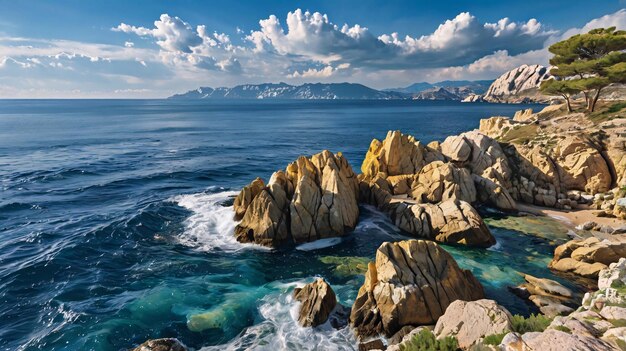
279,330
319,244
211,226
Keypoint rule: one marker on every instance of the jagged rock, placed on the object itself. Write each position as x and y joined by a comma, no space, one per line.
491,193
245,197
411,283
314,198
495,127
317,302
587,257
456,148
473,98
165,344
516,84
553,340
439,181
265,221
397,154
582,166
471,321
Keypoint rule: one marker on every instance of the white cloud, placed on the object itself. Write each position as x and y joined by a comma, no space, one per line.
129,44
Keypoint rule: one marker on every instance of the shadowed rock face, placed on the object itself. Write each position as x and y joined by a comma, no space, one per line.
588,257
313,198
411,283
318,301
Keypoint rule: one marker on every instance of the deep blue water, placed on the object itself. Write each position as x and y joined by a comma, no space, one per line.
116,228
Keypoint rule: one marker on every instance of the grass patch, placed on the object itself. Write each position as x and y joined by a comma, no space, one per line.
425,340
608,112
618,323
534,323
494,339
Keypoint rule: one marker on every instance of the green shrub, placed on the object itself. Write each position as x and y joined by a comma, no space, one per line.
534,323
425,340
494,339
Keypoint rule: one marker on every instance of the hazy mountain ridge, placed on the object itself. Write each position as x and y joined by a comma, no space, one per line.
321,91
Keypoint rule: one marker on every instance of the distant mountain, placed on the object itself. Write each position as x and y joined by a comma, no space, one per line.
517,85
346,91
453,86
436,94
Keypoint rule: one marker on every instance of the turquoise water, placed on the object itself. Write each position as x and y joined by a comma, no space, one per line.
116,223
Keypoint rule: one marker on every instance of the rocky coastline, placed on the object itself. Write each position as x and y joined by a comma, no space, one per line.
415,289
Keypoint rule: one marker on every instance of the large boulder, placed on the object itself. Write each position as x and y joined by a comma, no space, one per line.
165,344
550,297
582,166
588,257
451,222
245,197
520,84
411,283
317,302
439,181
471,321
313,198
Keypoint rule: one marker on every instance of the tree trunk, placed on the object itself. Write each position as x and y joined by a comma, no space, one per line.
595,99
586,98
569,105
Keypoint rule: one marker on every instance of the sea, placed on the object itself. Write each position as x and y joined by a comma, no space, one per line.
116,220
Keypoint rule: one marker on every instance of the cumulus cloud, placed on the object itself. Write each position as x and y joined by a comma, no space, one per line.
457,41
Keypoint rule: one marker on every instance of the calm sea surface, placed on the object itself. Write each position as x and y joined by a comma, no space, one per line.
115,223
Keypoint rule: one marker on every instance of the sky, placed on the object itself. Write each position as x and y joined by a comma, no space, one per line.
155,48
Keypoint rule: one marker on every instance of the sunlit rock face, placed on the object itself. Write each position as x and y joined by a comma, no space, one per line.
314,198
411,283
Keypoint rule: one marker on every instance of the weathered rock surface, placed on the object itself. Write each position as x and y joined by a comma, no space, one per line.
411,283
518,85
439,181
582,166
587,257
317,302
166,344
552,340
397,154
313,198
550,297
471,321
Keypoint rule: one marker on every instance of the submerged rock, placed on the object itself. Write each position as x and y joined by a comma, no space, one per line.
549,296
166,344
314,198
411,283
317,302
471,321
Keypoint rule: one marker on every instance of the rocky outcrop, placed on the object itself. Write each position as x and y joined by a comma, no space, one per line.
411,283
553,340
397,154
473,98
471,321
313,198
317,302
166,344
550,297
439,181
518,85
582,166
588,257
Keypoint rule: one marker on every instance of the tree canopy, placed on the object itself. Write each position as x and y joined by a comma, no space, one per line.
587,63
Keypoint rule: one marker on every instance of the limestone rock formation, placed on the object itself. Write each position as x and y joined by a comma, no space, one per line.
587,257
397,154
245,197
166,344
313,198
411,283
471,321
317,302
518,85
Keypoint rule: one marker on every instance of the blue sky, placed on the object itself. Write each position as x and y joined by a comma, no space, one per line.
156,48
